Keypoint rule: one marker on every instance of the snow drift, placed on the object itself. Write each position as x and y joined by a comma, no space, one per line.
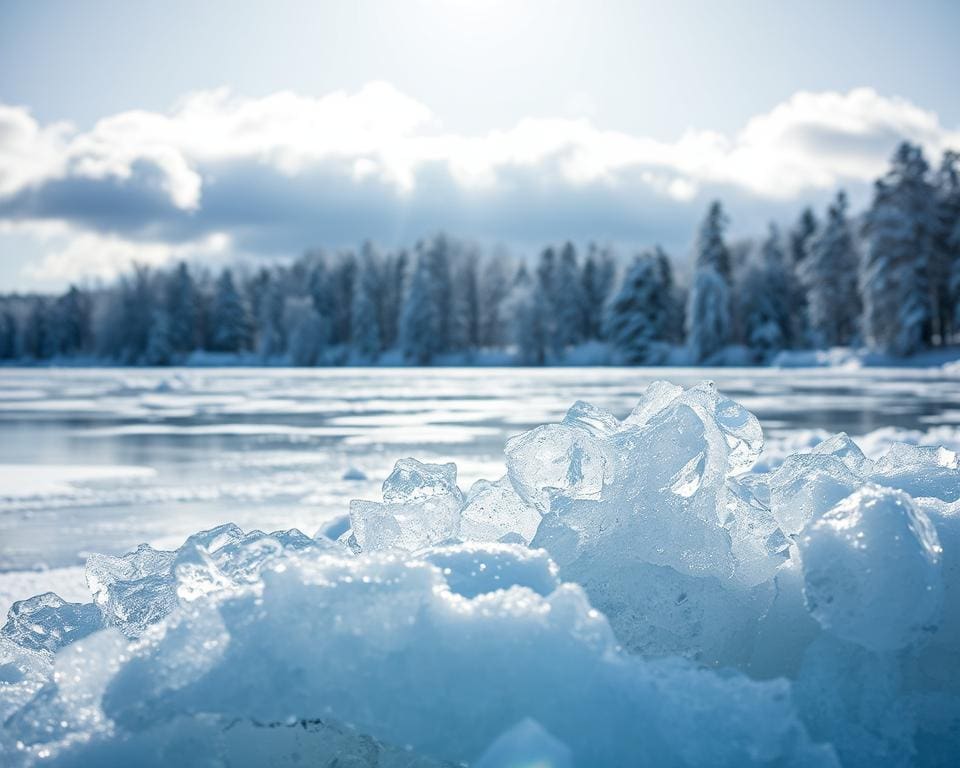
630,593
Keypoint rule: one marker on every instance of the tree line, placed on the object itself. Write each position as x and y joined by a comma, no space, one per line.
888,279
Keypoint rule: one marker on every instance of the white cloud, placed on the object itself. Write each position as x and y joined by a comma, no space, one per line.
813,140
384,144
85,254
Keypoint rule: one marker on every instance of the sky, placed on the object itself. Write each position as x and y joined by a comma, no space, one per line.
218,131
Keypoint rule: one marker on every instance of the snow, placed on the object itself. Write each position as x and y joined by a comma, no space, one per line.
660,589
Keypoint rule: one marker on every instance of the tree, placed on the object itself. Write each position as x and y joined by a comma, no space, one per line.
829,276
181,309
365,318
272,320
946,248
599,273
895,268
764,294
708,315
567,301
711,250
424,324
8,336
529,330
307,331
160,346
640,315
231,325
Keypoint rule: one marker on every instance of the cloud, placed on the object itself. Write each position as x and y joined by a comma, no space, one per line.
286,171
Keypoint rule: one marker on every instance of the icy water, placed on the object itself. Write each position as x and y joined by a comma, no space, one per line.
102,459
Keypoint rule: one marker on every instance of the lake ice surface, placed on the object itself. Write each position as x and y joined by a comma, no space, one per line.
99,460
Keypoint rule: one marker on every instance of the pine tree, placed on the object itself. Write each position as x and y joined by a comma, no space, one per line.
711,250
895,268
567,301
599,272
829,275
764,295
639,316
307,331
800,235
272,320
425,322
365,319
231,326
708,315
8,336
160,346
946,248
181,309
529,330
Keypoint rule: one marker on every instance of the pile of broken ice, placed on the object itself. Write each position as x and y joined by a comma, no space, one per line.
629,594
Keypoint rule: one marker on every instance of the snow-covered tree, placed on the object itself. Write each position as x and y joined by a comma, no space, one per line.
528,328
465,303
800,235
711,249
895,267
160,347
708,315
231,325
307,331
425,322
365,317
598,276
271,321
764,296
639,316
829,275
566,301
181,308
946,249
9,349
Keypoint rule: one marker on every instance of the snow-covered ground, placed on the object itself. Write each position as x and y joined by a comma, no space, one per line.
99,460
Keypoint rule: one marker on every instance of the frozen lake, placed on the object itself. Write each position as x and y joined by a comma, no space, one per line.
102,459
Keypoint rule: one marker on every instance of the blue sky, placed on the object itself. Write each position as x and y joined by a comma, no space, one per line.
212,130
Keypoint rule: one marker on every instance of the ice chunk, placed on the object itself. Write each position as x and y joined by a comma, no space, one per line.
526,744
595,420
476,569
871,568
135,590
739,427
494,510
758,545
556,459
354,473
47,622
841,446
920,471
421,507
412,480
806,486
657,396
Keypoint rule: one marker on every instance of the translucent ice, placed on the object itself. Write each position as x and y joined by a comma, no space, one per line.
495,510
872,570
421,507
596,420
806,486
841,446
920,471
47,622
556,459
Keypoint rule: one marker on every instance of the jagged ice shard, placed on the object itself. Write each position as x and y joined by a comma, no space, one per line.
630,593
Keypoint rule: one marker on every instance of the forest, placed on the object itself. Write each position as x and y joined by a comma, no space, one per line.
887,279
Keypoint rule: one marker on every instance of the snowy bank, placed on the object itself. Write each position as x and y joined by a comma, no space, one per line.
631,592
